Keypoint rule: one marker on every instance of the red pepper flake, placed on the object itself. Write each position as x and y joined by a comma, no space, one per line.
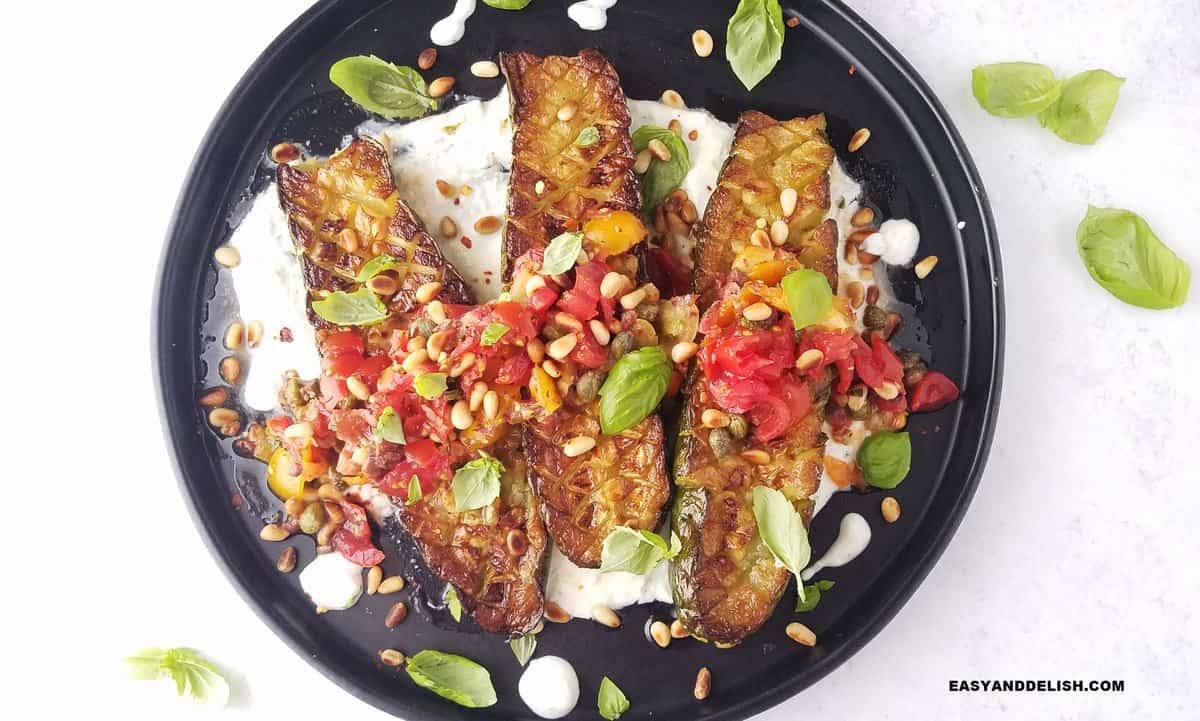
465,241
236,501
853,69
792,22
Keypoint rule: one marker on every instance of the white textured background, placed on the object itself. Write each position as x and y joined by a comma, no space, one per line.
1078,558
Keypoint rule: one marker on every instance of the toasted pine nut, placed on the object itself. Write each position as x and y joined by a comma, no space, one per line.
287,560
427,58
568,321
446,189
890,508
539,187
633,299
809,359
925,266
551,368
672,99
254,333
485,69
460,415
859,139
851,254
383,285
787,201
675,127
391,584
478,391
535,283
516,542
487,225
441,86
702,43
683,351
467,360
599,332
578,445
230,369
325,533
285,153
561,348
448,227
703,683
274,532
694,135
660,633
760,223
872,293
856,292
428,291
757,312
606,616
391,657
567,111
436,310
887,390
659,150
756,457
642,162
415,360
329,492
213,398
678,630
554,613
652,293
865,258
227,256
374,578
612,284
536,350
299,431
801,634
396,615
761,238
436,343
491,404
862,217
416,343
220,417
779,232
714,418
687,211
235,335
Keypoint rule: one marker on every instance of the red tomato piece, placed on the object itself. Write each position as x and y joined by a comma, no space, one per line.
889,363
588,352
513,370
332,391
932,392
667,273
345,342
789,403
542,299
356,550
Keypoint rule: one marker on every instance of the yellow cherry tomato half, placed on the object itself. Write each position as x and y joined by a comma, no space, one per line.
613,233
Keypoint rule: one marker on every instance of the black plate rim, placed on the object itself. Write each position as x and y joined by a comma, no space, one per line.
988,389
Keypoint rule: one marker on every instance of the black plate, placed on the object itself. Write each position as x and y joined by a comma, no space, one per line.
915,166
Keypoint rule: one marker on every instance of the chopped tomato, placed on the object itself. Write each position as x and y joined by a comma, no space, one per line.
333,390
667,273
513,370
352,426
843,474
583,298
542,299
341,366
889,362
368,372
519,321
423,459
346,342
789,402
932,392
588,352
353,539
741,367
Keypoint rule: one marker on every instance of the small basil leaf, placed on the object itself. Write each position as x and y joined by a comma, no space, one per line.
808,600
194,677
377,265
754,40
430,385
389,427
611,702
635,551
522,647
808,295
492,333
452,677
661,178
507,4
588,136
477,483
676,545
561,253
633,389
393,91
453,603
1123,255
1014,90
1084,106
414,490
884,458
782,530
362,307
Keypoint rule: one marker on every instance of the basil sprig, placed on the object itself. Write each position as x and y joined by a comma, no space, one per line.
633,389
507,4
393,91
453,603
414,490
635,551
885,457
562,252
782,530
452,677
194,677
1127,259
389,427
588,136
492,333
611,702
522,647
754,40
811,596
377,265
661,178
1014,90
477,483
362,307
1084,106
430,385
809,297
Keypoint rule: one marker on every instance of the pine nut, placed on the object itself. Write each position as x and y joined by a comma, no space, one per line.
703,684
299,431
872,294
436,343
235,335
254,333
396,615
694,135
554,613
606,616
441,86
383,285
801,634
660,633
756,457
756,312
866,273
460,415
887,390
221,417
285,153
463,364
702,43
539,187
865,258
714,418
227,256
485,69
641,163
287,560
567,111
325,533
675,127
687,211
851,254
612,284
659,150
213,398
652,293
578,445
809,359
448,227
487,225
391,584
551,368
230,369
779,232
788,197
561,348
374,579
859,237
683,351
633,299
856,292
415,360
599,332
516,542
478,391
274,532
427,58
491,405
536,350
859,139
428,291
862,217
678,630
534,284
672,99
890,508
925,267
446,189
568,321
416,343
391,657
760,238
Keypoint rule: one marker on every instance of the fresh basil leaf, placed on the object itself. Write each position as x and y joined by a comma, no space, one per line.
661,178
477,483
452,677
754,40
808,600
195,678
1084,106
377,265
633,389
389,427
362,307
1014,90
414,490
884,458
808,295
430,385
1127,259
453,603
782,530
588,136
561,253
611,702
492,333
393,91
522,647
507,4
635,550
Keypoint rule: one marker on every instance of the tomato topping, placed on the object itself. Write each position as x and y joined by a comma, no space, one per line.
345,342
368,371
667,273
932,392
514,370
542,299
519,321
889,362
613,232
353,539
332,390
342,366
423,459
588,351
774,414
742,366
583,298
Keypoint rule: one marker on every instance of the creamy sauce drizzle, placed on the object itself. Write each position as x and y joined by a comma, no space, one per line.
854,534
450,29
590,14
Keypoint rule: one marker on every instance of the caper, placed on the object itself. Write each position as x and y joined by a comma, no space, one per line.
909,359
312,518
292,394
552,332
423,327
720,441
861,412
874,318
913,376
588,385
648,311
738,427
622,343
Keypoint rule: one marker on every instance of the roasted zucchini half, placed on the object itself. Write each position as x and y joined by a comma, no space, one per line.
343,213
562,179
725,581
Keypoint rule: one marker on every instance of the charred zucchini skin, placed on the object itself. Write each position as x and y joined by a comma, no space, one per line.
623,480
725,581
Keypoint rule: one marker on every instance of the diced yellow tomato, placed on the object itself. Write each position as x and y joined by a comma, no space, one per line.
541,385
751,256
613,233
354,480
843,474
769,272
280,479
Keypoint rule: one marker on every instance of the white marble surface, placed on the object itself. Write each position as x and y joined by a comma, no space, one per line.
1077,559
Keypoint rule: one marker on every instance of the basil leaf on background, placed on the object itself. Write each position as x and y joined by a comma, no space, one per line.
1084,107
393,91
1127,259
452,677
754,40
1014,90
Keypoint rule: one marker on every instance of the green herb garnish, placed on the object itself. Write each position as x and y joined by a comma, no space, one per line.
1084,106
611,702
562,252
430,385
885,457
661,178
362,307
452,677
377,265
194,678
389,427
782,530
588,136
635,551
1127,259
633,389
522,647
809,298
414,490
808,600
477,483
393,91
453,603
754,40
1014,90
492,333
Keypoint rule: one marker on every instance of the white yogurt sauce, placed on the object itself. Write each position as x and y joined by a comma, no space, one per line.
332,582
450,29
578,590
270,289
590,14
895,243
854,534
549,687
